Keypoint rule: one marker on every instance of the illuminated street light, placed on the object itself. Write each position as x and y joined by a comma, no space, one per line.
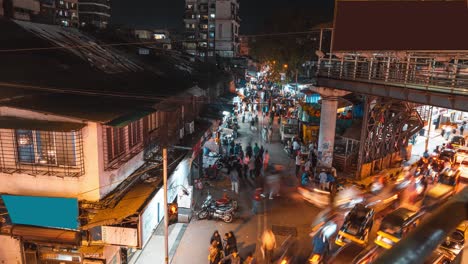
285,66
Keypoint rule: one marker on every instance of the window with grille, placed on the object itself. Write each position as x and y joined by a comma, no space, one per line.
115,142
43,147
123,143
134,134
41,152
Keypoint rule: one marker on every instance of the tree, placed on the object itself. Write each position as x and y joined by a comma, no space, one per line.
287,51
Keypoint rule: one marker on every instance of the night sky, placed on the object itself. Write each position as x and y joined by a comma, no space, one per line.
169,13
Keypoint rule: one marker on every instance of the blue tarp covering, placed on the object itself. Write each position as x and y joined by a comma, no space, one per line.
42,211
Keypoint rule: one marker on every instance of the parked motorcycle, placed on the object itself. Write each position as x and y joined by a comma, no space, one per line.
210,209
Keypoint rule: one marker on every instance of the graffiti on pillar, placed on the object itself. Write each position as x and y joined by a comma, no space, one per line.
326,154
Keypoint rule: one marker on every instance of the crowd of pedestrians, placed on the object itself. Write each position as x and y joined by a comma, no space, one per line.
224,251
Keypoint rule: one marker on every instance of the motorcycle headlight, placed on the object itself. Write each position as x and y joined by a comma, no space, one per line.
314,259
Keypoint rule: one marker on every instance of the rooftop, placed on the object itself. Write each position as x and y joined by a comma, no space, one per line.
64,71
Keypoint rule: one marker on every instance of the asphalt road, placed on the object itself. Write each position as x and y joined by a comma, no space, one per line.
287,215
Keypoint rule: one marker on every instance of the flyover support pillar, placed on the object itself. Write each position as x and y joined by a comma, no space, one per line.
326,141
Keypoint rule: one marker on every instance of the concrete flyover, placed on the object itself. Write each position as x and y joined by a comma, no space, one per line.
407,92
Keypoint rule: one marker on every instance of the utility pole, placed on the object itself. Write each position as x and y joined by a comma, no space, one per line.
166,217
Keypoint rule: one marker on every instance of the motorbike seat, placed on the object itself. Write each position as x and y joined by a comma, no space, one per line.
222,201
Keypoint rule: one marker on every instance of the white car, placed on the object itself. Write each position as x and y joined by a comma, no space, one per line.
464,168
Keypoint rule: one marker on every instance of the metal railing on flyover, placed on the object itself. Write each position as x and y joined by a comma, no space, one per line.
443,73
422,241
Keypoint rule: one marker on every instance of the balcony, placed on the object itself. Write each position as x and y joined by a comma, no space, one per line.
430,72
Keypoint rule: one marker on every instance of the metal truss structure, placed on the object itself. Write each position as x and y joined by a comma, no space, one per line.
387,128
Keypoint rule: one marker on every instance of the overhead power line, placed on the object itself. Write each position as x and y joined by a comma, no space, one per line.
148,42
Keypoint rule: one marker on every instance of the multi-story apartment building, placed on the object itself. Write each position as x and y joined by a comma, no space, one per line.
66,13
94,12
227,28
60,12
21,9
244,47
211,27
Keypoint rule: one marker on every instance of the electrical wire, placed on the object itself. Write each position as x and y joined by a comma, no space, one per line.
148,42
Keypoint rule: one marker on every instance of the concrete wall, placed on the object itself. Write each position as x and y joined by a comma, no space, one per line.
223,9
10,250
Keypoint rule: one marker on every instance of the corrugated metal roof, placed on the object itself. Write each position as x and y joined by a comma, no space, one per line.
130,204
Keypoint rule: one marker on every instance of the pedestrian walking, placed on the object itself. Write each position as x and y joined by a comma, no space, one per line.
330,180
249,151
232,258
234,181
260,152
256,199
266,160
323,179
307,166
251,168
273,183
243,117
256,150
237,149
298,164
462,128
214,255
217,238
231,241
296,145
227,249
270,134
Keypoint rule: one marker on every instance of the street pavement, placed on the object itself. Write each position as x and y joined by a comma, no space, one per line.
288,213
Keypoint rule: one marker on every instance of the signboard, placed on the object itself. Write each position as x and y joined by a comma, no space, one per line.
382,25
120,236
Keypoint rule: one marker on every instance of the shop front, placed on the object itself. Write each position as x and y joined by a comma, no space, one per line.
46,228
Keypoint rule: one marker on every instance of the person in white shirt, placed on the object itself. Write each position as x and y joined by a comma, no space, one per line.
298,164
323,180
296,146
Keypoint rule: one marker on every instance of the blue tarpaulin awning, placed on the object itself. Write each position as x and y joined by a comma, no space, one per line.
49,212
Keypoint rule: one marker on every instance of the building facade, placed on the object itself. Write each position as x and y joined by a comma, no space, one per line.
244,48
160,37
211,27
59,12
95,13
82,172
227,28
91,167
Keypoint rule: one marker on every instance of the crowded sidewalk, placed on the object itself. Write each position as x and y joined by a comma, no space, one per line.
285,208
